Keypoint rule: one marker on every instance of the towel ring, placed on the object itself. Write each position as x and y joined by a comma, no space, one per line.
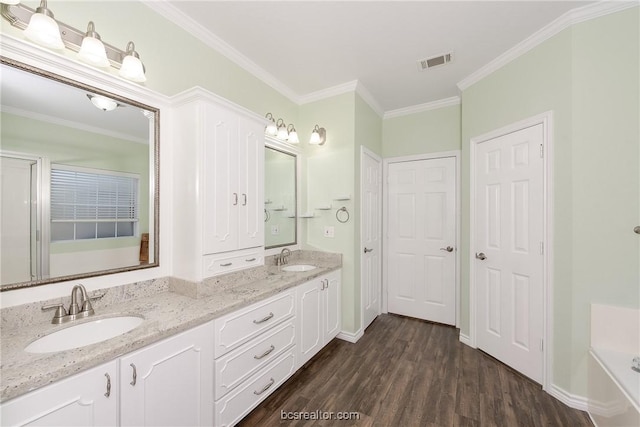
338,216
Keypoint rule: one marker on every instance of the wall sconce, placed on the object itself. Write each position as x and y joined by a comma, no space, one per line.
293,135
271,128
42,28
318,136
282,130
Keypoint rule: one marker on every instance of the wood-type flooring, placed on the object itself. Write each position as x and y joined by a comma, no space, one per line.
408,372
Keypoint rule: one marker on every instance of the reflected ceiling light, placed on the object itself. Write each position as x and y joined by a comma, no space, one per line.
40,27
92,50
271,128
132,68
103,103
282,130
43,28
293,135
318,136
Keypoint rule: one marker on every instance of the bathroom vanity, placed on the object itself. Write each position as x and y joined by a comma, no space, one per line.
204,359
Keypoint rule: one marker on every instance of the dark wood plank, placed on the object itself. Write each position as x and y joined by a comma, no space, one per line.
408,372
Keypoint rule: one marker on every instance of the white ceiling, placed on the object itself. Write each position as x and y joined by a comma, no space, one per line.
309,46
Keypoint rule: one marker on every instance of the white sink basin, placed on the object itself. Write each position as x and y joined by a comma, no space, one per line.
84,334
299,267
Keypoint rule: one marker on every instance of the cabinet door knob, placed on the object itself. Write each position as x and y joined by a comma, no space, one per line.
367,250
448,249
135,375
481,256
108,393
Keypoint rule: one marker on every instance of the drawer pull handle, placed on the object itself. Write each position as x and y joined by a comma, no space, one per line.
108,393
250,260
235,199
135,375
265,388
266,353
226,265
264,319
244,196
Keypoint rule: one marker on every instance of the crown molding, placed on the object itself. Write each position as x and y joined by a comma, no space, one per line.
328,92
71,124
175,15
369,99
441,103
563,22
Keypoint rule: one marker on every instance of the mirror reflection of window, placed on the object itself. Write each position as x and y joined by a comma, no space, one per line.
280,198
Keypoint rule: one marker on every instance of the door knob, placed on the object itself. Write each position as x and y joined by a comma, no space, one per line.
367,250
481,256
448,249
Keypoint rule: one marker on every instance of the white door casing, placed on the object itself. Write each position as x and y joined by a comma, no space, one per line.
508,241
370,235
421,239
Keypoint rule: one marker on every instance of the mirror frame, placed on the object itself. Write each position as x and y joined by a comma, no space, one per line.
282,147
155,181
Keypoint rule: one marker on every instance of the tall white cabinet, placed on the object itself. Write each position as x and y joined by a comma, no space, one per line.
219,186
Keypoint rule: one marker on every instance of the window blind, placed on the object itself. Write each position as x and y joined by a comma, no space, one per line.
92,204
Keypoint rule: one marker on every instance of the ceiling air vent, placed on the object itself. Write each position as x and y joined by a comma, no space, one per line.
435,61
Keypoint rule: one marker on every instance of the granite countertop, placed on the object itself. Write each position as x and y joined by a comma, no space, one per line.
165,314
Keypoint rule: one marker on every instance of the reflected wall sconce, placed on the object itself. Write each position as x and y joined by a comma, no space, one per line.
318,136
42,28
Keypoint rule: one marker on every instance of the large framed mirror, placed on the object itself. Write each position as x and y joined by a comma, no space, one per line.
79,180
280,196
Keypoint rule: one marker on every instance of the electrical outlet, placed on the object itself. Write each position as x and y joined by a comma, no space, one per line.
329,231
275,229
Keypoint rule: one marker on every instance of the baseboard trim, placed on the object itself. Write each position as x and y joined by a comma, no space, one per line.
571,400
351,337
465,339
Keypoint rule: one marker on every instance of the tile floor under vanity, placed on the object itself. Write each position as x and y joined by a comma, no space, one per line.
407,372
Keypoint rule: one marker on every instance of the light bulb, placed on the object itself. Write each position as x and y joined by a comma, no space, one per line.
92,50
43,29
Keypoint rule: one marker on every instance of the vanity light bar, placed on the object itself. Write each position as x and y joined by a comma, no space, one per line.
19,16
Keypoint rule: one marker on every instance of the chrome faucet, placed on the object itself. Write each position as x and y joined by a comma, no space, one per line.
75,312
283,258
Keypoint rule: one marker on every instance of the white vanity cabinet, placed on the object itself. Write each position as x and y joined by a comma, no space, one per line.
219,186
85,399
169,383
319,314
255,353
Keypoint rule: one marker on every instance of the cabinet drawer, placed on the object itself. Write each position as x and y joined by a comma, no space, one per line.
215,264
235,329
240,364
231,408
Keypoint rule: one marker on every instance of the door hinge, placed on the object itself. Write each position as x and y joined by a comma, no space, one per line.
541,345
541,248
541,150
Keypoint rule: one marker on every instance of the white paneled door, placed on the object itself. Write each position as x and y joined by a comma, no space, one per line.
421,237
508,245
371,226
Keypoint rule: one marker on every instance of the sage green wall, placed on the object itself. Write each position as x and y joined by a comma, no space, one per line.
429,131
174,59
368,134
328,171
76,147
605,155
588,76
